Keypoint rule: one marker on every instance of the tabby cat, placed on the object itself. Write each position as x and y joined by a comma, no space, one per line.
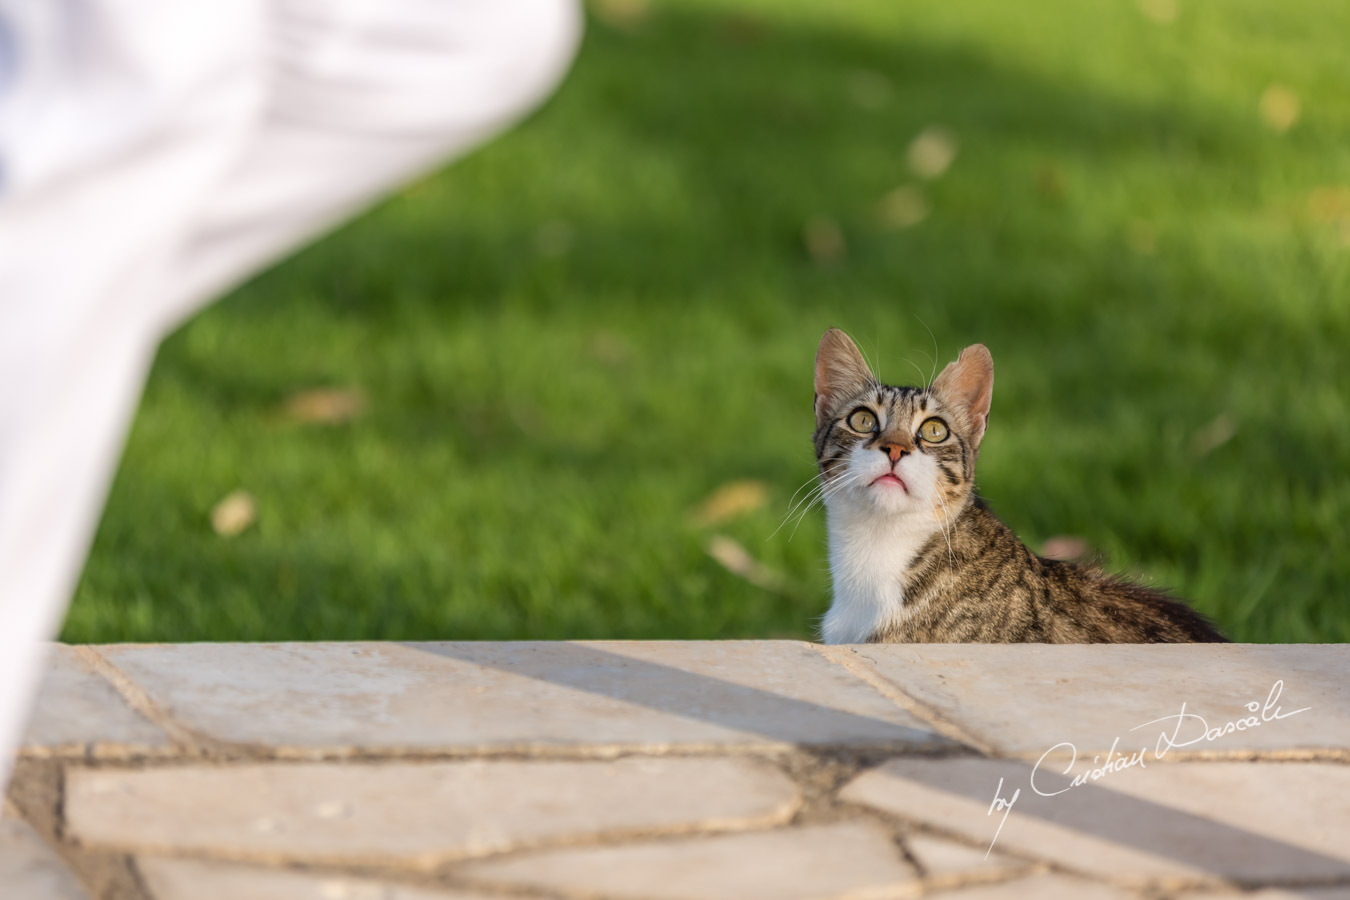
916,556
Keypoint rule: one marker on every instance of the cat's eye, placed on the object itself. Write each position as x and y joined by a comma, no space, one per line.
862,421
934,431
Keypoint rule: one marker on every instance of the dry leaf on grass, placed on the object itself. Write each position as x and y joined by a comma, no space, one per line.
1142,238
824,240
234,513
1330,203
743,28
1162,12
1050,181
1279,108
553,239
735,498
611,349
869,89
738,561
1217,432
903,207
627,15
931,153
1067,547
325,406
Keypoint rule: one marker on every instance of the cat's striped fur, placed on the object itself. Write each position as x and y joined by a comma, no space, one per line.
916,556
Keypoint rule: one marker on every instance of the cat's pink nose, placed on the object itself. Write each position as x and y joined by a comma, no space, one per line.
894,451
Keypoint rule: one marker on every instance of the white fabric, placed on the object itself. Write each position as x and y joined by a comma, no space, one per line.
155,152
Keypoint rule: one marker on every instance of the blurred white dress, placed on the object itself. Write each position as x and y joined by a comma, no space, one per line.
155,152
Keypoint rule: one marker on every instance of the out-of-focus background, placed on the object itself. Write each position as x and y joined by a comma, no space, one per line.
562,389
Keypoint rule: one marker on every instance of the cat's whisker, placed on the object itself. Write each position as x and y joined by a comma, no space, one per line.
823,489
827,491
813,481
872,365
788,516
946,533
848,479
916,368
810,500
816,487
802,517
933,377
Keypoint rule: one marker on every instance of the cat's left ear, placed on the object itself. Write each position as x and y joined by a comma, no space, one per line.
968,384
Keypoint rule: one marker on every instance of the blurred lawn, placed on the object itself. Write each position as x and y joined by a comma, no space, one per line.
573,337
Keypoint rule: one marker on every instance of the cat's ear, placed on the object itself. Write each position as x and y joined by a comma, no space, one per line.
968,384
841,372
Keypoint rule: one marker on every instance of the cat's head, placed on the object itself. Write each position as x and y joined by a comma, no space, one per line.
899,450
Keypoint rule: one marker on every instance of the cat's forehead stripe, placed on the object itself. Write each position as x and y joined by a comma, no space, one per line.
901,397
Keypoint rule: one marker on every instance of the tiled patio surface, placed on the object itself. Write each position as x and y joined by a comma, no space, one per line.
683,771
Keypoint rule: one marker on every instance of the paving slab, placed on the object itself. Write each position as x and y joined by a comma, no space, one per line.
947,861
185,879
1237,820
1025,699
812,863
1301,893
529,696
1041,887
414,814
29,869
78,713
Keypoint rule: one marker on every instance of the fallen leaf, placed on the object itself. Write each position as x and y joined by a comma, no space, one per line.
554,239
235,512
611,349
738,561
1279,108
742,28
1213,435
735,498
1067,547
627,15
1050,181
1142,238
1162,12
529,418
869,89
903,207
1330,203
325,406
824,240
931,153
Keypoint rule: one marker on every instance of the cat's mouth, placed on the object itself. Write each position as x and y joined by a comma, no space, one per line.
890,480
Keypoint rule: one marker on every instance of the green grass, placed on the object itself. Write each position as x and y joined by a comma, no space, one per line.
1138,250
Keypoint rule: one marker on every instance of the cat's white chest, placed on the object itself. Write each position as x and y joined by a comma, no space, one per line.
868,554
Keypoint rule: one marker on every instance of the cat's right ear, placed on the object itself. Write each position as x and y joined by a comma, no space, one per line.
841,373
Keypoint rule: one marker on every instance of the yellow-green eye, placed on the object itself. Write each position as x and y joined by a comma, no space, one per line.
934,431
862,421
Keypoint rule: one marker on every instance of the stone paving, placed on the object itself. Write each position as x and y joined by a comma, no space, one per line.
683,771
